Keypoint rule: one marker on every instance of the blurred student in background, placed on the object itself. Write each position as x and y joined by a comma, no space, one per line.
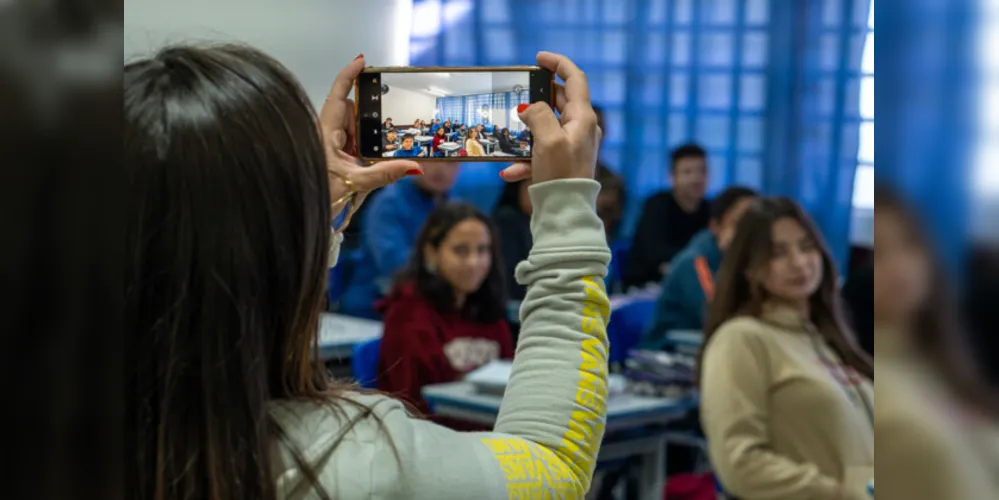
392,221
388,142
436,124
472,145
387,125
409,148
512,216
463,131
670,218
446,313
418,126
937,422
690,284
787,403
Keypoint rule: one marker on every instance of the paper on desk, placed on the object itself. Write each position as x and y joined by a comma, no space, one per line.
494,376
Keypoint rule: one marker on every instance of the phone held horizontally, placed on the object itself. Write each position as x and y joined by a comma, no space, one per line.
447,114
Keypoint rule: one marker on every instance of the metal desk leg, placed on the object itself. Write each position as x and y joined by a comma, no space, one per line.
652,472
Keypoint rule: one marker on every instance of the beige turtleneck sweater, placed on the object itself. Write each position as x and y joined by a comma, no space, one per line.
928,447
785,420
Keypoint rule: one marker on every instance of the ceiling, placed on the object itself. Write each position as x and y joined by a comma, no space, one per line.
456,84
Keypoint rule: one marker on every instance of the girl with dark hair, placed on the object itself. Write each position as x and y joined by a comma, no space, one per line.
233,185
506,143
786,394
936,421
445,315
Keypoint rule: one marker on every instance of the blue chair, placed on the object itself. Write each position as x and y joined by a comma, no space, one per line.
364,363
627,325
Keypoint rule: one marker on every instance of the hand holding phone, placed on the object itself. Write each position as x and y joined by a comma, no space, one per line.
566,149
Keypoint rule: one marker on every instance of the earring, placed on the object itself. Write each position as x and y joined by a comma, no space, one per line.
430,266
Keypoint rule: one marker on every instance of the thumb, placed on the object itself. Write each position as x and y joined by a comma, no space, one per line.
383,173
541,119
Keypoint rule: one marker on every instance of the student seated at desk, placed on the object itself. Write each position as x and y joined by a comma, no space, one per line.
222,293
388,142
506,143
439,138
937,419
446,313
689,286
472,145
409,148
787,403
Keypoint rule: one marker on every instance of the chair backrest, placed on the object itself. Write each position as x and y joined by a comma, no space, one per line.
364,363
627,325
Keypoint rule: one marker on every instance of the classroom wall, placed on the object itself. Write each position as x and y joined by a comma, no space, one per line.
404,106
313,38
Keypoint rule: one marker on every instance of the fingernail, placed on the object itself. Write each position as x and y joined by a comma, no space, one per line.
414,171
359,56
522,107
502,174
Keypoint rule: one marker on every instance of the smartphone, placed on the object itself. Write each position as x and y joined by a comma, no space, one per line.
447,114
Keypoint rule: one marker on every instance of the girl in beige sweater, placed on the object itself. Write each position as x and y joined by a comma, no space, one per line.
936,421
787,399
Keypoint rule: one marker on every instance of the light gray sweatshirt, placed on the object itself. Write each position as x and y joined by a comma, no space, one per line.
551,421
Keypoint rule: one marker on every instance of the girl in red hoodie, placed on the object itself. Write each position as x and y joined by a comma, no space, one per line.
445,316
439,138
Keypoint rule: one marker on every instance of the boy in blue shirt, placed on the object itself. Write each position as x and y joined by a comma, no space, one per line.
689,286
409,148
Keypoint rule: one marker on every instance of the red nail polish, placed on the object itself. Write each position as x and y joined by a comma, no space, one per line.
522,107
502,174
359,56
414,171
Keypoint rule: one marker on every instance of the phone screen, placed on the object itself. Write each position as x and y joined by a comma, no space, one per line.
459,115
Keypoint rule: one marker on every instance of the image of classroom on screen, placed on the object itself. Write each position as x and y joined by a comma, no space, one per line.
459,114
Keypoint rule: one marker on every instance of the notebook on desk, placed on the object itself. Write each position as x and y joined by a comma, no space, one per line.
493,377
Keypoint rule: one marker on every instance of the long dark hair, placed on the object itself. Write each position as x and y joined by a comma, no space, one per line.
751,249
937,331
60,277
228,239
488,303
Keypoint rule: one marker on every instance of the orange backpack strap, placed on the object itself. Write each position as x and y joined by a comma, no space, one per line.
704,277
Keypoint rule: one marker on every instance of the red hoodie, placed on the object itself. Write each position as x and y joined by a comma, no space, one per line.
422,346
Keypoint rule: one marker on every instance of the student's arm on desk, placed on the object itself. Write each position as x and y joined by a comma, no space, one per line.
734,414
552,417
